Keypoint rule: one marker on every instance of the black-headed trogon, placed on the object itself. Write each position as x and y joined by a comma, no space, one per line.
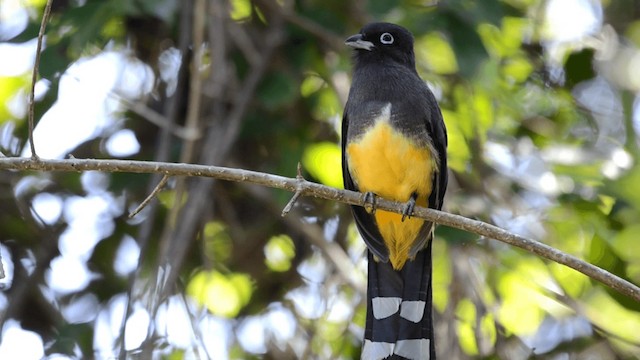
394,145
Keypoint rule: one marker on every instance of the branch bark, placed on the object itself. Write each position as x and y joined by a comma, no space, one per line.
307,188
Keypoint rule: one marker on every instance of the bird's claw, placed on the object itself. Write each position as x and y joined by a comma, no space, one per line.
407,209
369,202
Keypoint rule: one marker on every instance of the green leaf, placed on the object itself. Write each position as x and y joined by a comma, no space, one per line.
626,243
436,52
466,313
222,295
458,153
217,242
441,274
615,319
517,69
10,87
506,40
324,162
310,85
240,9
278,252
520,312
328,104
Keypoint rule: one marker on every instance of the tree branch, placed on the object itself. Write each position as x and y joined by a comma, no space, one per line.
307,188
34,76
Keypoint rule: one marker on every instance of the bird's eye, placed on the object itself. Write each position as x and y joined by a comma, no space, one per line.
386,38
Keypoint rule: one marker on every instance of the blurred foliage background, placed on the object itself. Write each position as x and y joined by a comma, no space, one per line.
540,101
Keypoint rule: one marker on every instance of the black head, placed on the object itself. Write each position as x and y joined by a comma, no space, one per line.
381,42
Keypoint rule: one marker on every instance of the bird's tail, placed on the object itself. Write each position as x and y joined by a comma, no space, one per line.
399,319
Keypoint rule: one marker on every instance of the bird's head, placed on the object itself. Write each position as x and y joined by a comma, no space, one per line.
379,42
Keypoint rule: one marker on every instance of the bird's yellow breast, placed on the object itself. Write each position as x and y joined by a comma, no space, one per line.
391,165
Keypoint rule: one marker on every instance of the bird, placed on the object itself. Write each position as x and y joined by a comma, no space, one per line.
394,144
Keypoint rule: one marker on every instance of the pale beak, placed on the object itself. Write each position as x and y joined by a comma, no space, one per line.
356,42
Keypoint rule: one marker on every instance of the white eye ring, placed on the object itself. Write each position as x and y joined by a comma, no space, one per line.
386,38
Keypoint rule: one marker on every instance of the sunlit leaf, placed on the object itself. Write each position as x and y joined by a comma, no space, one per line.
513,32
330,330
490,35
240,9
466,313
488,328
310,85
571,281
114,28
176,355
482,112
504,41
517,69
243,285
221,295
278,252
437,53
328,104
441,275
323,161
626,243
606,204
458,150
35,3
520,311
10,87
464,111
609,315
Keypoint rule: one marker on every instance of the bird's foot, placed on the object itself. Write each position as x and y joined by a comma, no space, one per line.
407,209
369,202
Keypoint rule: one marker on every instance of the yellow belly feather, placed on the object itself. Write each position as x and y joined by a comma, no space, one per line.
389,164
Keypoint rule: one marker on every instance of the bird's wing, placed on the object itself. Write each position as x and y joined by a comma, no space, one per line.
364,221
437,129
438,134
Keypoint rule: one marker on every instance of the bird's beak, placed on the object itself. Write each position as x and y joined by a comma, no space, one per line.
356,42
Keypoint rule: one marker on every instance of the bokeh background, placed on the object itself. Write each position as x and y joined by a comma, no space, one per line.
540,98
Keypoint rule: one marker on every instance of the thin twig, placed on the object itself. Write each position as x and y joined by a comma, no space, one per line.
291,202
34,76
146,201
296,195
195,88
325,192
